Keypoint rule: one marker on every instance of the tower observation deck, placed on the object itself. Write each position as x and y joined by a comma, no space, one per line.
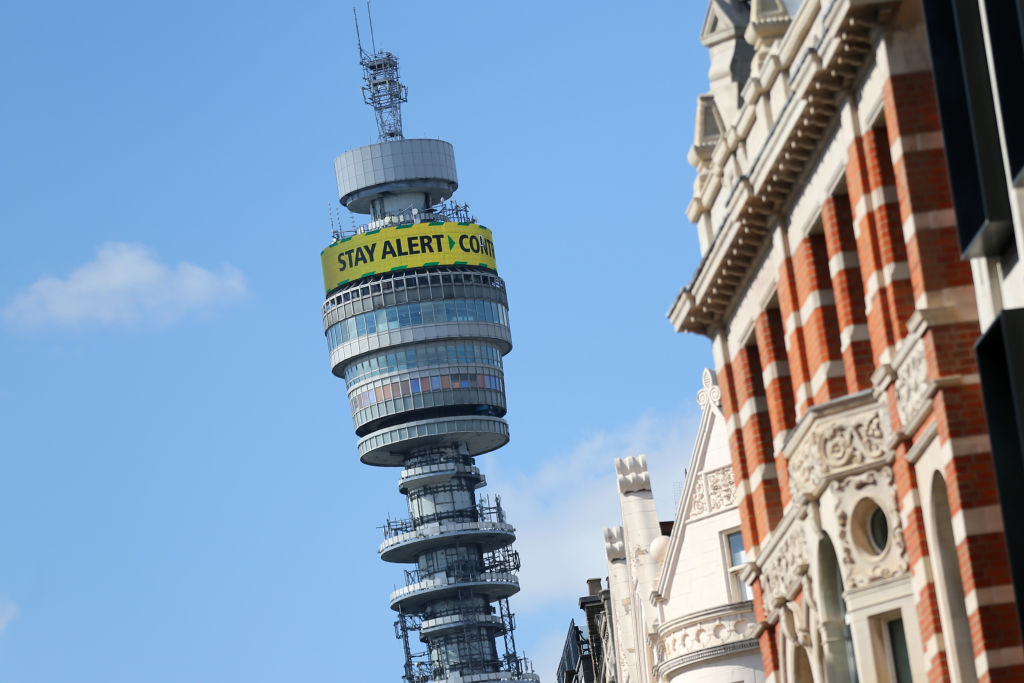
416,320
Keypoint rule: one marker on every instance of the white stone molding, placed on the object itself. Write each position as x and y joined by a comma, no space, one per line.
614,544
835,439
632,474
859,562
691,638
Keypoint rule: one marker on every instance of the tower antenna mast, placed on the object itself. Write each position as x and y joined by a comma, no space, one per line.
382,89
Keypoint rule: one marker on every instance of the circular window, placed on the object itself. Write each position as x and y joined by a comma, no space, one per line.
869,527
878,530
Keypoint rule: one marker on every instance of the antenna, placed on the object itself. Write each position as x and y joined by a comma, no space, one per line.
359,40
382,90
373,43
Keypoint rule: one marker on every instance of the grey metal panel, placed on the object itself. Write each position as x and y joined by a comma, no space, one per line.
422,165
387,447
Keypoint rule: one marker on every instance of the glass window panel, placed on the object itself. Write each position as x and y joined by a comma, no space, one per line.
414,385
736,554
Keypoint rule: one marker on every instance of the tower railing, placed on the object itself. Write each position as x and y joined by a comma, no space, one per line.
481,512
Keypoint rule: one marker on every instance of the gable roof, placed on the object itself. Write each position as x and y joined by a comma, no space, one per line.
710,457
724,19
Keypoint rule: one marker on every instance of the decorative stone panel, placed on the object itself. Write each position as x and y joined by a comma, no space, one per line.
829,446
856,496
783,566
682,641
713,491
913,391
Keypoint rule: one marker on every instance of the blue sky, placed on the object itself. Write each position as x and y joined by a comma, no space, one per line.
180,498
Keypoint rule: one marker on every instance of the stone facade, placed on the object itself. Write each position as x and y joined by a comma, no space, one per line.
680,613
842,321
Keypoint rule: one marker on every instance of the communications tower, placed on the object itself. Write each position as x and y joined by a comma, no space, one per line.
416,320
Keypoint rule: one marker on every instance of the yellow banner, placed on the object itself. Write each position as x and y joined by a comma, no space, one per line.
406,246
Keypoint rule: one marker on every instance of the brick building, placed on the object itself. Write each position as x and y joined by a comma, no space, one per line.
843,320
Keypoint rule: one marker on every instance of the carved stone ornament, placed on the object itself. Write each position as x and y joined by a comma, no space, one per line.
632,474
699,502
835,444
713,491
912,386
681,637
721,488
709,393
859,561
614,545
783,568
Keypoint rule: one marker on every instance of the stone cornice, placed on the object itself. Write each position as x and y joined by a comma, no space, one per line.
815,72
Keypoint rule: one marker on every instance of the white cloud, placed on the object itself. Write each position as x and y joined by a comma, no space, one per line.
559,512
124,285
8,613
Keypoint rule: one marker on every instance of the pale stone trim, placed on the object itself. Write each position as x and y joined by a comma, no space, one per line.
921,575
998,658
790,324
876,198
852,333
843,260
961,300
803,395
914,142
774,371
825,371
752,406
872,285
986,519
819,298
928,220
780,440
881,278
968,445
910,502
764,471
990,595
933,646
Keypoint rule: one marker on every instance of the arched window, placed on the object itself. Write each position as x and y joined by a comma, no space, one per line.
949,587
801,666
838,645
